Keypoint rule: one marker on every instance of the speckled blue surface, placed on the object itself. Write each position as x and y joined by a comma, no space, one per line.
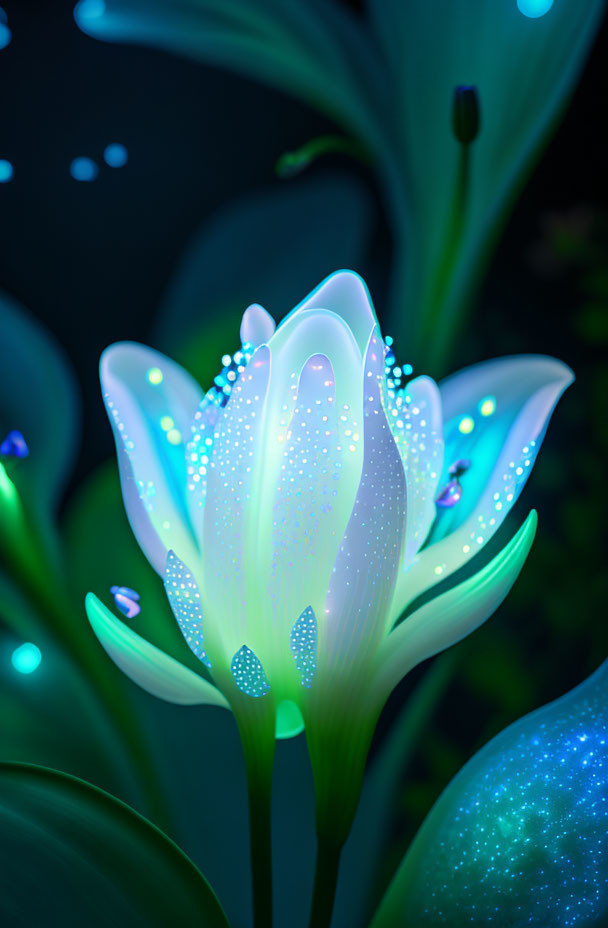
520,836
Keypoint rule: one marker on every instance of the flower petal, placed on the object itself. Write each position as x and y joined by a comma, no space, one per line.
453,615
366,567
151,403
245,474
495,415
417,427
257,326
344,293
314,494
146,665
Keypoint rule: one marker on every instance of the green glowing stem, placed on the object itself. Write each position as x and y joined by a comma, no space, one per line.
435,330
326,881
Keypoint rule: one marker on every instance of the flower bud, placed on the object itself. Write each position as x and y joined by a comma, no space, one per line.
465,114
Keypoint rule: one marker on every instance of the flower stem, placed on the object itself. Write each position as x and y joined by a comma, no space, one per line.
326,881
256,729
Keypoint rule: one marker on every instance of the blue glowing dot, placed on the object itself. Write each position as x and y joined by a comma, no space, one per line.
6,171
89,9
533,9
83,168
5,35
115,155
26,658
14,445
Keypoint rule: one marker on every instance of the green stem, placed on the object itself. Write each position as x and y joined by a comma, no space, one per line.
326,881
257,738
433,336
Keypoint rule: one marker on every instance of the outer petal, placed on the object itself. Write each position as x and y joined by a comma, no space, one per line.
366,567
146,665
455,614
502,447
151,403
345,294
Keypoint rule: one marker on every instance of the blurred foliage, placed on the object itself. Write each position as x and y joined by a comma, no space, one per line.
94,859
388,79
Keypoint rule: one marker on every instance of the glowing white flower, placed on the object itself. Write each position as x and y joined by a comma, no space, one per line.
292,512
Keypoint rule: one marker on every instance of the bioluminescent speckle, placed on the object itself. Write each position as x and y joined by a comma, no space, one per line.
248,673
6,168
533,9
14,445
155,376
115,155
466,425
84,169
487,406
303,644
26,658
185,600
520,836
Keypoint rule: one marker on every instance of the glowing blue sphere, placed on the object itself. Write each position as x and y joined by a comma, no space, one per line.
88,9
5,35
84,169
26,658
533,9
115,155
6,171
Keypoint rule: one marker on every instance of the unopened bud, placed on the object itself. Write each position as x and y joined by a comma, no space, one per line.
465,114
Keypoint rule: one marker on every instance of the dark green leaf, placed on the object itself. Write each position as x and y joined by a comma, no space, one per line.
73,855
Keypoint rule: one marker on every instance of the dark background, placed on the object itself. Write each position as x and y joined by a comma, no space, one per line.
92,261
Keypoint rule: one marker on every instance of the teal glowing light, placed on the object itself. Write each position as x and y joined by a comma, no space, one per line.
88,9
6,168
533,9
26,658
84,169
5,35
115,155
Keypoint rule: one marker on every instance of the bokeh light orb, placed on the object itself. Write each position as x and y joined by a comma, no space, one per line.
84,169
6,171
5,35
89,9
26,658
533,9
115,155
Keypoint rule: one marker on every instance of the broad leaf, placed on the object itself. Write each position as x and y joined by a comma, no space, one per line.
72,854
519,837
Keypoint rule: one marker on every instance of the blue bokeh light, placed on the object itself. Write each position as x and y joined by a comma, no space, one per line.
533,9
26,658
89,9
115,155
6,171
5,35
84,169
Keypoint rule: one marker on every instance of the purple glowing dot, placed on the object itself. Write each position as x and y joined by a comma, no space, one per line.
127,600
450,495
